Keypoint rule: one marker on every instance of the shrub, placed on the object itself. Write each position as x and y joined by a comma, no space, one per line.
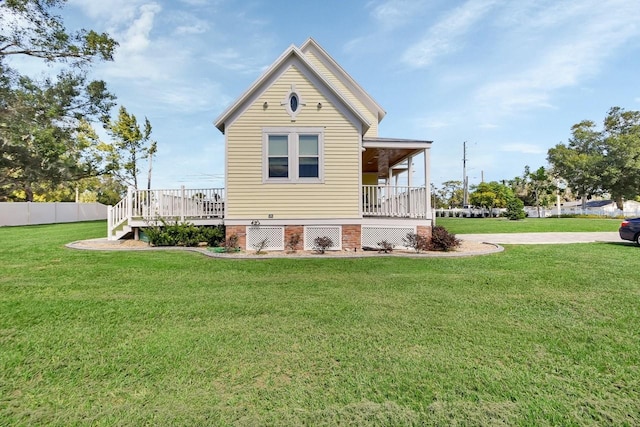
183,234
214,236
416,242
385,247
231,244
442,240
293,242
321,244
259,246
515,209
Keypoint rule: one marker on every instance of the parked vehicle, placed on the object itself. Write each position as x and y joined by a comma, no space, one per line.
630,230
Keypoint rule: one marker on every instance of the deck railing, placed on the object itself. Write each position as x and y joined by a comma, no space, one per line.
180,204
394,201
173,205
117,215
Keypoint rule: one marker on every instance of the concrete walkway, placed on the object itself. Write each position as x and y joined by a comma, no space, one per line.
543,238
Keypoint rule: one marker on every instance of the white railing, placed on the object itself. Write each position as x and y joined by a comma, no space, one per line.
468,212
394,201
173,205
180,204
117,215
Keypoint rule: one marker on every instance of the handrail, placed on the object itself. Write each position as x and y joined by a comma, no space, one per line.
117,215
394,201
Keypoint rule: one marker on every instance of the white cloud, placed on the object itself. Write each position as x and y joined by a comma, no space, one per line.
186,97
447,35
236,60
524,148
136,36
391,14
488,126
196,27
434,124
574,46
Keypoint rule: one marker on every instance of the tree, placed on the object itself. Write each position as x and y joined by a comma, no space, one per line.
515,209
130,147
606,160
491,195
541,186
30,28
40,120
621,162
579,163
451,193
41,131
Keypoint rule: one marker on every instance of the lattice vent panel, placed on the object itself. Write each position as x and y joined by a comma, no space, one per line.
371,236
332,232
274,236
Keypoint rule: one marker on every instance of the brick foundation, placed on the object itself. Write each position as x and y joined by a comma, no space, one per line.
352,237
289,231
240,231
424,231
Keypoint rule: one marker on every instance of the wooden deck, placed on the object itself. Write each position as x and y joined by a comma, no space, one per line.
206,206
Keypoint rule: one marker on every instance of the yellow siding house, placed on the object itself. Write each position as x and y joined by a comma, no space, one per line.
303,157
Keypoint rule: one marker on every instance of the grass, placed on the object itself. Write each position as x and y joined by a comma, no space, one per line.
536,335
528,225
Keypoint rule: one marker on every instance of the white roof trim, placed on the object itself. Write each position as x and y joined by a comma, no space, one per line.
289,56
312,46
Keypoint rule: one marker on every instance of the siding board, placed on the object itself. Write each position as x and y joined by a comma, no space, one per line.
249,198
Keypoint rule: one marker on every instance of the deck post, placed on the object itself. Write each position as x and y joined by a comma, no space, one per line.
427,185
109,221
129,206
182,203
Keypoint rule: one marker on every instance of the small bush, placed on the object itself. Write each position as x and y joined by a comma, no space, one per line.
231,244
442,240
293,242
214,236
183,234
416,242
515,209
321,244
385,247
259,246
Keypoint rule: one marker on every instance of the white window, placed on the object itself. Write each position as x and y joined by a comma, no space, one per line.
293,155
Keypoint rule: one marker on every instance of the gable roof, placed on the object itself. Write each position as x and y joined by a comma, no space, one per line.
311,46
293,56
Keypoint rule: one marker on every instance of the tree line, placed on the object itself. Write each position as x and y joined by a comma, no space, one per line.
595,161
48,144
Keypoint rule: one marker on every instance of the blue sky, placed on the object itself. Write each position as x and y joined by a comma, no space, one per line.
508,77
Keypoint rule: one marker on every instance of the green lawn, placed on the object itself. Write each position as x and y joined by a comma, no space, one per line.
528,225
535,335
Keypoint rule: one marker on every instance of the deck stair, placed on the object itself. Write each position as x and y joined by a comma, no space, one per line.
140,208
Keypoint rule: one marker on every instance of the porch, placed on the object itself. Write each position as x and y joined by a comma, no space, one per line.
386,164
206,206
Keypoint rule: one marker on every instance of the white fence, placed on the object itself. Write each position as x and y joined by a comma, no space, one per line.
31,213
468,213
532,212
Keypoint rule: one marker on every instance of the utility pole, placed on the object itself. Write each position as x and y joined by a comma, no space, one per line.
465,181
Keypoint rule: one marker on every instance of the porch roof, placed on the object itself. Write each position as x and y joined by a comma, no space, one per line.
380,154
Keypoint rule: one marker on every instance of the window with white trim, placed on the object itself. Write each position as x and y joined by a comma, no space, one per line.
293,155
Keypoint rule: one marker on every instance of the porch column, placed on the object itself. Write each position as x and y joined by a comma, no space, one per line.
427,184
414,211
129,207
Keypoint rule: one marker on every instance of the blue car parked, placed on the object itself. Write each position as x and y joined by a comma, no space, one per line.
630,230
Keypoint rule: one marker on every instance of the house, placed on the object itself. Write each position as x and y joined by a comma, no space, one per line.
604,207
302,157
